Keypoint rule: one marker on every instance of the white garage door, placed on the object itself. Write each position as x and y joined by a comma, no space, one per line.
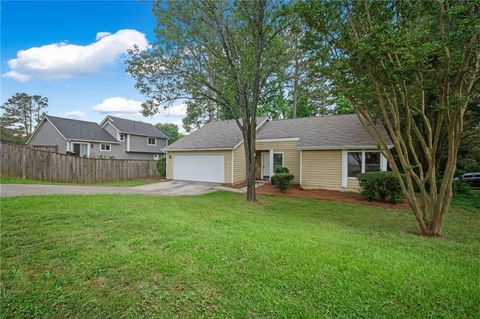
199,167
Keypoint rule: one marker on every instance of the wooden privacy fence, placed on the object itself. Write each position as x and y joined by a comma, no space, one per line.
24,162
50,148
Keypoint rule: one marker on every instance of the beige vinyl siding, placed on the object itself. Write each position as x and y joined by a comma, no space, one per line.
169,164
322,169
290,153
352,185
227,156
239,171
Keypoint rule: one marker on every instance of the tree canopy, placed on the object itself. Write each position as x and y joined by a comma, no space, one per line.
21,113
414,66
171,130
216,53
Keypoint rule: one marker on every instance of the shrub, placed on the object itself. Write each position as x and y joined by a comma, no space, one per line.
380,186
273,180
279,170
460,188
162,167
282,170
282,181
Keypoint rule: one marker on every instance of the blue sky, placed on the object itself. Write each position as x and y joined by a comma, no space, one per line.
73,53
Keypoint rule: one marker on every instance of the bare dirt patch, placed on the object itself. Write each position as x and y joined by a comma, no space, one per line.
346,197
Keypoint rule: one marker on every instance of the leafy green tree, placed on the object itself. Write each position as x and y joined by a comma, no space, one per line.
171,130
236,39
20,114
412,65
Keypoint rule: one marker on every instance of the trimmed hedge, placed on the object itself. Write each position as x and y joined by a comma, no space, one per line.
379,186
162,167
282,170
282,181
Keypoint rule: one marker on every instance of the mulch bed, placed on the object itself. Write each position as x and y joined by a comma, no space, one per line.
338,196
236,185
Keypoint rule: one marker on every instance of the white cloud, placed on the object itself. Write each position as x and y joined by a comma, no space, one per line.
176,110
130,109
102,35
75,114
64,60
118,105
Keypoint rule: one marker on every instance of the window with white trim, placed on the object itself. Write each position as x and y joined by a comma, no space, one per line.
361,162
151,141
122,137
277,161
354,163
105,147
372,161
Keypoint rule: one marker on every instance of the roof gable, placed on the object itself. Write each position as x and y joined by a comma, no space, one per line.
80,130
134,127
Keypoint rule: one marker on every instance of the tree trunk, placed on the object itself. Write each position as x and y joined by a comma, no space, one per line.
249,146
295,88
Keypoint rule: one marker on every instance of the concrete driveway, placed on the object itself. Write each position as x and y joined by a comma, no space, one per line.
170,188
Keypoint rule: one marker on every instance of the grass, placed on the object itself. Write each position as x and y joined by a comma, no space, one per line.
130,256
16,180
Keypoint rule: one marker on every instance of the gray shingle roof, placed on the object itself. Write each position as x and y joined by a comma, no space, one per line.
214,135
80,130
334,131
136,127
322,131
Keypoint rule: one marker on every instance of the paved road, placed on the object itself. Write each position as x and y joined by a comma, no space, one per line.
170,188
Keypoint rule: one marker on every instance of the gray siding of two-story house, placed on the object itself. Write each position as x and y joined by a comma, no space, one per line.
48,135
132,147
138,146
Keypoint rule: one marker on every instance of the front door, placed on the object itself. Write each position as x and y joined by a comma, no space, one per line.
265,165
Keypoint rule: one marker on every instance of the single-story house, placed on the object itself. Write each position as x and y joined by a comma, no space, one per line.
115,137
322,152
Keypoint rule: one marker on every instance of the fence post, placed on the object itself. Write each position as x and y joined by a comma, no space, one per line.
24,164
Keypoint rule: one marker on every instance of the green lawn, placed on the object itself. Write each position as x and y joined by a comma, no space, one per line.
16,180
130,256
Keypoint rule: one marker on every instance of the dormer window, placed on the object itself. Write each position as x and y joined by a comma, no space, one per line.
151,141
122,137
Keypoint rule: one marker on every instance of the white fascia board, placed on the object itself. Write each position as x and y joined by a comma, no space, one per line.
106,120
288,139
261,124
348,147
45,118
239,143
256,129
198,149
263,140
92,141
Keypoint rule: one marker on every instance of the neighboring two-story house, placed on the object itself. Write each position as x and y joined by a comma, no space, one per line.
114,138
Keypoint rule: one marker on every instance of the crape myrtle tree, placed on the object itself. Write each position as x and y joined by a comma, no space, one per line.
223,52
413,65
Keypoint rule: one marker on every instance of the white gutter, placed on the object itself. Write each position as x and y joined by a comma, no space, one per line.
287,139
92,141
349,147
198,149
